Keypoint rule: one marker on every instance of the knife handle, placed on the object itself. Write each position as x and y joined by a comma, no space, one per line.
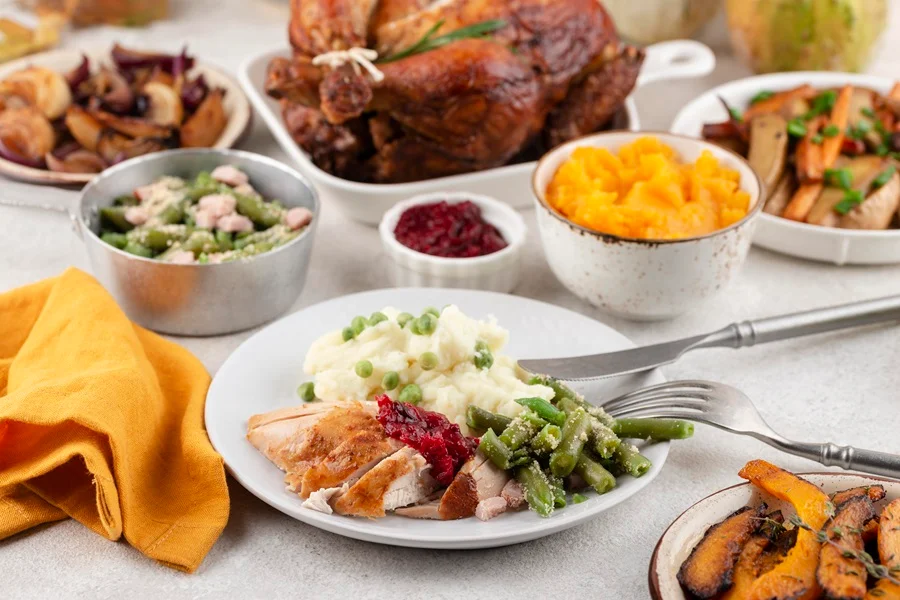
821,320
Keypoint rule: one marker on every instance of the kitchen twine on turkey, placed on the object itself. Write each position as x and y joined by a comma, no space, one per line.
356,56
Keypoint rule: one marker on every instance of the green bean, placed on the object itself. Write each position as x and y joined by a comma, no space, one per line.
376,318
138,249
224,241
574,435
578,498
173,213
390,380
594,474
484,358
307,391
492,447
538,492
631,460
520,457
125,200
114,239
113,217
259,211
547,439
602,439
428,361
653,429
200,241
559,491
411,394
478,418
159,238
562,391
404,318
249,251
363,368
544,409
519,432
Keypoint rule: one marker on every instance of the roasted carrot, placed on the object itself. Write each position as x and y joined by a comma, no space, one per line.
776,102
810,165
894,94
804,199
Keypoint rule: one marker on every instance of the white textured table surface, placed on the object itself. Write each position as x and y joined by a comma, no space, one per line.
840,388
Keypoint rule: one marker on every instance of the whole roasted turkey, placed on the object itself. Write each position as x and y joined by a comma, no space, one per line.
550,71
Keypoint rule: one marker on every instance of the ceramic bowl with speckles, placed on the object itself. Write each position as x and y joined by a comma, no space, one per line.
640,279
688,529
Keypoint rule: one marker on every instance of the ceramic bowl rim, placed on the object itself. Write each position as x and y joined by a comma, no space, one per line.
653,577
222,152
753,213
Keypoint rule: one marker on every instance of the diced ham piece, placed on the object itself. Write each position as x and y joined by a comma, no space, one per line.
245,189
234,223
297,217
513,494
136,215
143,192
205,219
230,175
218,204
490,507
181,257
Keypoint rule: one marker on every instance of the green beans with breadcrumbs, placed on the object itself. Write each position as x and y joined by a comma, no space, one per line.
574,435
498,453
653,429
538,492
631,460
544,409
594,474
480,419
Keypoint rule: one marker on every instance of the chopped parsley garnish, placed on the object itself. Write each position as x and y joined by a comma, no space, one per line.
822,104
884,177
816,139
831,130
852,199
881,150
840,178
796,127
760,96
735,114
868,112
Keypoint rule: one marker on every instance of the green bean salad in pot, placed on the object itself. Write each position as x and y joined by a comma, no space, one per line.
217,217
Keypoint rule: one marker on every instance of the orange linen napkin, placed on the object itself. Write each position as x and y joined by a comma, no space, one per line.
102,421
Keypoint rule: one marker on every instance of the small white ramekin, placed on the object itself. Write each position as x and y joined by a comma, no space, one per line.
497,272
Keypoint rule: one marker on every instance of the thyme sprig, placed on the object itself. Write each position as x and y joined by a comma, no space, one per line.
874,569
429,41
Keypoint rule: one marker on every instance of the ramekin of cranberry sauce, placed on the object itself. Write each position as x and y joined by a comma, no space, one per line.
456,240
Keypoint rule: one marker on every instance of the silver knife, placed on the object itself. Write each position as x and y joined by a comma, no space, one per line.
736,335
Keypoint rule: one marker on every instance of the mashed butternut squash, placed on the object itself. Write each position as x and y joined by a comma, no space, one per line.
646,191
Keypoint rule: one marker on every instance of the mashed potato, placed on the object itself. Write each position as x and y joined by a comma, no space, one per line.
449,388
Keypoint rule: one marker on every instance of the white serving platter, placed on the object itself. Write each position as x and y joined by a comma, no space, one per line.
367,202
236,104
826,244
687,530
264,372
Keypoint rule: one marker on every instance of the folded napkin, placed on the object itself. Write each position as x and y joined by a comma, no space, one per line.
102,421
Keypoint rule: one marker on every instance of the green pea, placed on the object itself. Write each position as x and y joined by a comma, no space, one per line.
363,368
307,391
432,311
348,334
414,327
358,324
404,318
376,318
411,394
390,380
483,358
428,361
426,324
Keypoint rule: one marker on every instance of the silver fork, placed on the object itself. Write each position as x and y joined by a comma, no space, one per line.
730,409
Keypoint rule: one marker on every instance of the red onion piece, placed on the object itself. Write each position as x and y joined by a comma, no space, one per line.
64,150
127,59
17,158
193,92
79,161
79,74
119,99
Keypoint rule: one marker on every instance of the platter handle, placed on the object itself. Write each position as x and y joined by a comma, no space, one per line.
676,59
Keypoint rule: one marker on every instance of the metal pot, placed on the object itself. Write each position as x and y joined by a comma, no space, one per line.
198,300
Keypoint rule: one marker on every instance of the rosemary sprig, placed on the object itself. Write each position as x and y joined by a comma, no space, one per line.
874,569
431,42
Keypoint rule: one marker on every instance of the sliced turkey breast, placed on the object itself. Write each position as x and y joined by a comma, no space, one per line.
477,480
349,461
271,432
427,510
399,480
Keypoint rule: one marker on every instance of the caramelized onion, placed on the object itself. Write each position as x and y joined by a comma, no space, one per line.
193,92
127,59
79,161
118,98
79,74
11,156
26,135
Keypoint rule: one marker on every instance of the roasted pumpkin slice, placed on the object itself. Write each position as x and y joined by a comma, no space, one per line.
748,567
842,576
708,570
888,553
874,492
795,577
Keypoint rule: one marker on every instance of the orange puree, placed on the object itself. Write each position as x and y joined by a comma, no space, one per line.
645,191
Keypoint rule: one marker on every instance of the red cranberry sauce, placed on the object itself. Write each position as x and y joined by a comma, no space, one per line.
448,230
438,440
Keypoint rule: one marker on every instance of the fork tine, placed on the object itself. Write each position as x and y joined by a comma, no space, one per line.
671,395
664,413
667,402
670,389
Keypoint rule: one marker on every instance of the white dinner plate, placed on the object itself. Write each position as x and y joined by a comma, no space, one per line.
687,530
827,244
264,372
237,107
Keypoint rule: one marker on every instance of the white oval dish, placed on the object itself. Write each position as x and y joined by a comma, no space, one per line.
236,104
263,374
643,279
367,202
686,531
497,272
826,244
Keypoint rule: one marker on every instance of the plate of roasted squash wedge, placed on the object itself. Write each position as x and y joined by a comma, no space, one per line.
783,536
66,115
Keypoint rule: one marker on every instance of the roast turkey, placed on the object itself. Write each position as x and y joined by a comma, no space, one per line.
547,72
